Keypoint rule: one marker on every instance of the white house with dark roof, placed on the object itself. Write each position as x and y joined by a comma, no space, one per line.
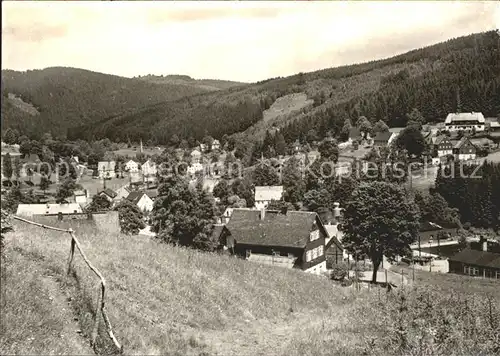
265,194
142,200
291,239
132,166
106,169
215,145
195,156
465,121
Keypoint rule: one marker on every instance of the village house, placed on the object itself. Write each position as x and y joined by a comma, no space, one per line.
476,263
142,200
30,210
464,150
194,168
149,171
203,147
441,146
334,251
291,239
265,194
384,139
122,192
106,169
152,194
132,166
473,121
215,145
195,156
108,194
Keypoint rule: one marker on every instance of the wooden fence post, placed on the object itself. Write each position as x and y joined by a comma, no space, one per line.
95,329
71,254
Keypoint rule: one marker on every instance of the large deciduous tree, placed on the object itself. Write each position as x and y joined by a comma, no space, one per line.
412,140
183,216
131,217
379,220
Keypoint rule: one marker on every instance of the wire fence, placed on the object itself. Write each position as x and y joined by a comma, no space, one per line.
100,306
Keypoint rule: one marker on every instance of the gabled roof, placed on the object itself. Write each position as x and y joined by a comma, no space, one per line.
135,196
152,193
478,258
383,136
276,229
460,143
268,193
195,153
110,193
334,235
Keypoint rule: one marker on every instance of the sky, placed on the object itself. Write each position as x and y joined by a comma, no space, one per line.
231,40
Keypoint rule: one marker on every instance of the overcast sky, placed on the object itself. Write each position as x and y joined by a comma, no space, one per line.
245,41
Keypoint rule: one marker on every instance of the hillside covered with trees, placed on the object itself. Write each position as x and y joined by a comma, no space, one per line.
459,74
69,97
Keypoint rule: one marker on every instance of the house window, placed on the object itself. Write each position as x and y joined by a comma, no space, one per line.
314,253
308,255
498,274
314,235
248,253
320,250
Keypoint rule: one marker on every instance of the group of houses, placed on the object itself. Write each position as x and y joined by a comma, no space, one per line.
109,169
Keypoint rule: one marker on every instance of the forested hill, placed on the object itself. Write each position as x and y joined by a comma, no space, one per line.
459,74
69,97
208,84
427,79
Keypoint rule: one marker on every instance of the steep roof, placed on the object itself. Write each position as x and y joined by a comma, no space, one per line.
276,229
268,193
135,196
334,235
478,258
109,192
462,142
152,193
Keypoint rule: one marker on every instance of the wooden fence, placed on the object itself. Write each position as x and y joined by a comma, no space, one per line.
100,307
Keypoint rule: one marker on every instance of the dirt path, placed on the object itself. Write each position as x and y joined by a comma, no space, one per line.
259,337
70,330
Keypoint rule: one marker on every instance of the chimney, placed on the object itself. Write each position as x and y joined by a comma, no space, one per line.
337,213
484,244
262,213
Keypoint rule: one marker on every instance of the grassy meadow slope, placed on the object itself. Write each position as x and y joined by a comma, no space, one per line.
166,300
68,97
387,89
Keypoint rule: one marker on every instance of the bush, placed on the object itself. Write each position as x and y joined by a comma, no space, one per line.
339,272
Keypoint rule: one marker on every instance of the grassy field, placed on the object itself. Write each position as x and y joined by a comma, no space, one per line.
166,300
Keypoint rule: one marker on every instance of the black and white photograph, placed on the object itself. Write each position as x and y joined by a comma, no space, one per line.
250,178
